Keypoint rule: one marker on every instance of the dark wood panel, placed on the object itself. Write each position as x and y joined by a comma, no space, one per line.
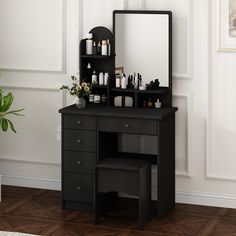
94,110
80,122
80,140
82,162
118,181
129,126
78,187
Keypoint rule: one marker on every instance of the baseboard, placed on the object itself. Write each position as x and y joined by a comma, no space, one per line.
31,182
0,188
188,197
206,199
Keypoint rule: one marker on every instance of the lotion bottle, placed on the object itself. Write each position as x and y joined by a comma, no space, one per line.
101,78
104,48
94,78
89,44
123,82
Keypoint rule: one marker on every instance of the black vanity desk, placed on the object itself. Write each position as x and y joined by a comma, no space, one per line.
91,134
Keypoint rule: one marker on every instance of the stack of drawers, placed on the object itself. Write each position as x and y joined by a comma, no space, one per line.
79,158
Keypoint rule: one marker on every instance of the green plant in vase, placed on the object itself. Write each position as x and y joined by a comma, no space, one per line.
5,105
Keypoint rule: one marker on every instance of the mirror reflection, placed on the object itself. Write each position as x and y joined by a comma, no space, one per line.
142,45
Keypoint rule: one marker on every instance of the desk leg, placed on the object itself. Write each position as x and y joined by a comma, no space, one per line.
166,166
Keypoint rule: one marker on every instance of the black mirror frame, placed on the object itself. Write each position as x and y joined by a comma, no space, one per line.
169,13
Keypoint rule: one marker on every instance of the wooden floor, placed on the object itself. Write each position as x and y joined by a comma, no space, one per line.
38,212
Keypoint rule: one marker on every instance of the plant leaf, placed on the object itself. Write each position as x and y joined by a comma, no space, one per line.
7,101
11,126
4,124
1,99
15,112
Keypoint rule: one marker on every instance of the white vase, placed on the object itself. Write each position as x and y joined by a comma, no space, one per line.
80,103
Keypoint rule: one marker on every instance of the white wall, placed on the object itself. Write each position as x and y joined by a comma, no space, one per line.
35,66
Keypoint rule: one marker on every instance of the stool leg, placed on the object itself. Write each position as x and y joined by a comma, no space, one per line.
144,195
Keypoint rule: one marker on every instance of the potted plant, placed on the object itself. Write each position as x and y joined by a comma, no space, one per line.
5,105
80,90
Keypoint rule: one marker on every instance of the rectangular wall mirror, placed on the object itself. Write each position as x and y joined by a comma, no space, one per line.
143,44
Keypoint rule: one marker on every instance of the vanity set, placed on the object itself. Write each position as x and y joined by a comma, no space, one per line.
96,169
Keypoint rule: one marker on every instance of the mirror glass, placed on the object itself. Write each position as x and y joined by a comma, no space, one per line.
142,45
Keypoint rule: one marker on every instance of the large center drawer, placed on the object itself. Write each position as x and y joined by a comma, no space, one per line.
79,122
128,125
78,187
82,162
80,140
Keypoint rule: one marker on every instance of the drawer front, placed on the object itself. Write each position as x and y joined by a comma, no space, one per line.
82,162
78,187
127,125
79,140
79,122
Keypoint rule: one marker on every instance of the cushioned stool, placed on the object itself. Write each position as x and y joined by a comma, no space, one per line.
129,176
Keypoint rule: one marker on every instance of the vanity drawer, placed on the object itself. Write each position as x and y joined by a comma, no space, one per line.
128,125
78,187
82,162
80,140
79,122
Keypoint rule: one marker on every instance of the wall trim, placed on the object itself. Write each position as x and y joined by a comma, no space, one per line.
206,199
142,4
189,136
14,159
31,182
125,4
188,75
63,65
48,88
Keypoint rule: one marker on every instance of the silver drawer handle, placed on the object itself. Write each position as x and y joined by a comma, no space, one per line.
79,122
79,141
127,126
78,188
78,163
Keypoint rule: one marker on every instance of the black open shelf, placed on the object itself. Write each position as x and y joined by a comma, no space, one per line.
106,64
160,90
97,56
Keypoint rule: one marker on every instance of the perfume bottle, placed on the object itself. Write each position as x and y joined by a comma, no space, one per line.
149,103
94,48
108,47
99,48
89,73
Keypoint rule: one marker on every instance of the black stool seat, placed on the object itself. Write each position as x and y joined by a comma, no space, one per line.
129,176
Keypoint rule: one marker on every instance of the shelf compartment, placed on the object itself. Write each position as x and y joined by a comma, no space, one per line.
156,91
123,90
97,86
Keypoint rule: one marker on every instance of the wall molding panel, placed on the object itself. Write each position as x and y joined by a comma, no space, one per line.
210,172
189,140
33,68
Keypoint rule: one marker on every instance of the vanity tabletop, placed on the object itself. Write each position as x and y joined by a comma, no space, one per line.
100,110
